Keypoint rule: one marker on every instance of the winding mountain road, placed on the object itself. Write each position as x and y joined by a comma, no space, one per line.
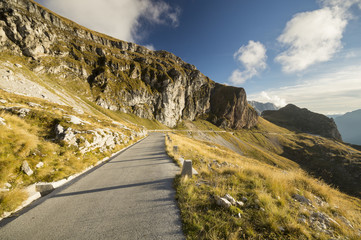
129,197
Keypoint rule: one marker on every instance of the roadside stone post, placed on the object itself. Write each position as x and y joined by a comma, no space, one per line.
187,168
44,188
175,149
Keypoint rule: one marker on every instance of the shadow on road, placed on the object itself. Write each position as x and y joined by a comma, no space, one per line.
159,183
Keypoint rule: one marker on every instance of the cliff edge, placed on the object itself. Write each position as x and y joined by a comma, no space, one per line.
115,74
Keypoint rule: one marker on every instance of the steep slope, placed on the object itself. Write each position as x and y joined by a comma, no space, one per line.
43,142
338,164
260,107
117,75
349,126
303,120
272,187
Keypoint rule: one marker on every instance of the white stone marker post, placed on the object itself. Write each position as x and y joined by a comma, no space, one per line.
187,168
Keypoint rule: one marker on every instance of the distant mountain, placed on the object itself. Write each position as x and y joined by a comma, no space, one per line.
334,115
349,126
260,107
303,120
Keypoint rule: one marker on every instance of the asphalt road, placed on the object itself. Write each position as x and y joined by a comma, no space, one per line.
130,197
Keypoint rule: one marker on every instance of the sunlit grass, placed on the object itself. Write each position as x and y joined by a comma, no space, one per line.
270,187
32,138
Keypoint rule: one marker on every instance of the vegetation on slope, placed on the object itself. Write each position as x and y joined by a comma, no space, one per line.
281,201
28,132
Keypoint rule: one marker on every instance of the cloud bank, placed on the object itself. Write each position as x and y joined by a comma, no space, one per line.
265,97
315,36
324,93
252,58
117,18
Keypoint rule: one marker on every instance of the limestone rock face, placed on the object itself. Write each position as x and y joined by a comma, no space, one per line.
118,75
303,120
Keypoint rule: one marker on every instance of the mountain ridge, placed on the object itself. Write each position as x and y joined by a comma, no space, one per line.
115,74
303,120
280,177
260,107
349,126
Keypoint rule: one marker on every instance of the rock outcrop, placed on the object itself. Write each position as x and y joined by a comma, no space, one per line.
303,120
90,140
118,75
229,108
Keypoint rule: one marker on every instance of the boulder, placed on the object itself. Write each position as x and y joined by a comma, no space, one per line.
302,199
230,199
75,120
2,121
59,130
39,165
26,168
23,112
69,137
223,202
31,104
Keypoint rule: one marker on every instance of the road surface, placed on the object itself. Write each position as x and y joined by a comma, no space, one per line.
130,197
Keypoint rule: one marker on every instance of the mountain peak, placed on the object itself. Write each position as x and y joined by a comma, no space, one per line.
303,120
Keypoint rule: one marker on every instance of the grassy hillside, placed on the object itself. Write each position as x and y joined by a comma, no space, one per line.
28,133
281,201
28,125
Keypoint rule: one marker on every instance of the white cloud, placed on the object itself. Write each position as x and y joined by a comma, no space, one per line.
315,36
276,100
252,58
343,5
311,37
338,91
117,18
150,47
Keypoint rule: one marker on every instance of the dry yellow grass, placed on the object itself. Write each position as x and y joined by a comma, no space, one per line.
9,201
270,187
32,138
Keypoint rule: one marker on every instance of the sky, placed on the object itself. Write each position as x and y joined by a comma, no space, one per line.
305,52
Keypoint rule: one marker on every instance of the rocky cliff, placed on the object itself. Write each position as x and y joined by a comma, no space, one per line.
303,120
229,108
117,75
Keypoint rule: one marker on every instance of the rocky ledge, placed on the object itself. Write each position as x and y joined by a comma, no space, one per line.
118,75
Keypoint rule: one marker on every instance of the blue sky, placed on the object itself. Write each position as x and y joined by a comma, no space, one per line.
306,52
